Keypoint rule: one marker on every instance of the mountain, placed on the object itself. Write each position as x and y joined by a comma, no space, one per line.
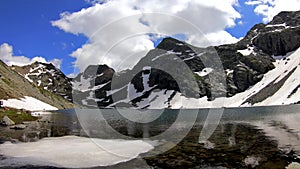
48,77
17,92
261,69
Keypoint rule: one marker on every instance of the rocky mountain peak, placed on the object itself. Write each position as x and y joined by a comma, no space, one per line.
287,18
93,70
48,77
245,65
278,37
169,43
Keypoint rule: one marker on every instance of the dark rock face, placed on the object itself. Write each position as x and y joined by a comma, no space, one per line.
260,63
274,43
100,74
240,69
93,76
244,77
280,36
289,18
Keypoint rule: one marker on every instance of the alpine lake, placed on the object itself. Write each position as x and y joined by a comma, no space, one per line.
254,137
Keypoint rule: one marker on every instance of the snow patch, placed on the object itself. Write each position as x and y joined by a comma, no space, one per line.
277,25
156,100
204,72
39,82
28,103
27,77
247,52
228,71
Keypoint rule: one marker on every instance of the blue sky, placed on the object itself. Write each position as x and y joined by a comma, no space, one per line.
26,26
249,19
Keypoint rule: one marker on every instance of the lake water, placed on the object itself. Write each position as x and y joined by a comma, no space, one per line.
258,137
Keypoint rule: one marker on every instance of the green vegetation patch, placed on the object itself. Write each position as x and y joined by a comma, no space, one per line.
17,116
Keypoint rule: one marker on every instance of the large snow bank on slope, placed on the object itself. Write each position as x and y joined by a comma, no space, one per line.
283,66
28,103
72,152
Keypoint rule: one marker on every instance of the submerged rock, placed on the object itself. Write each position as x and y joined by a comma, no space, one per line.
252,161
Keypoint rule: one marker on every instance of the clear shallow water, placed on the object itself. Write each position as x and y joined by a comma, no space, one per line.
263,137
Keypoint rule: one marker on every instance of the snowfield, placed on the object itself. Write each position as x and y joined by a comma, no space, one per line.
280,86
72,152
28,103
287,66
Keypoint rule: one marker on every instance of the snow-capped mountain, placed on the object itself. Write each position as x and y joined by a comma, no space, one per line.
48,77
261,69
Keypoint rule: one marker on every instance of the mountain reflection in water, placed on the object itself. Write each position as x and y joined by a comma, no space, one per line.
263,137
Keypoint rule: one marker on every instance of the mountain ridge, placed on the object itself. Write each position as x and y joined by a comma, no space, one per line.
266,56
245,63
15,86
48,77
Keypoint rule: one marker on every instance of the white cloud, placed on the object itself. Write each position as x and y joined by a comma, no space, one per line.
56,62
256,2
6,55
269,8
118,30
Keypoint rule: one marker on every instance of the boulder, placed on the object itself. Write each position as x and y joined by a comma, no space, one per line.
6,121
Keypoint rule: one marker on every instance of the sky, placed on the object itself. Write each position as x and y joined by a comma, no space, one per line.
73,34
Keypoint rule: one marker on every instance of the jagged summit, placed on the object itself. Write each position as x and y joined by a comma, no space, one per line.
93,70
287,18
253,71
48,77
260,69
170,43
278,37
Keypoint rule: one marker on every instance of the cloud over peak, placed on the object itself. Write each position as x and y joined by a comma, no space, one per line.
6,55
120,32
269,8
